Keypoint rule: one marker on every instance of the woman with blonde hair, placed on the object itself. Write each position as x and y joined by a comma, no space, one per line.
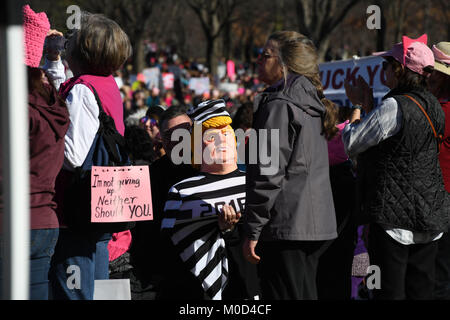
289,208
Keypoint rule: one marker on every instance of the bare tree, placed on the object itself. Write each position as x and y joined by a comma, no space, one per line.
445,5
167,16
381,33
214,16
252,29
317,19
133,16
233,28
398,13
56,11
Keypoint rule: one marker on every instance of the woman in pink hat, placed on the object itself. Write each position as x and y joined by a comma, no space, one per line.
48,121
439,85
402,194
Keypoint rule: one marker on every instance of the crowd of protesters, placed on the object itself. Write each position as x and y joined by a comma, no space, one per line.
352,187
166,82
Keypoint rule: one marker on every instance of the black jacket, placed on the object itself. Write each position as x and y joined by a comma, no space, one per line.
147,249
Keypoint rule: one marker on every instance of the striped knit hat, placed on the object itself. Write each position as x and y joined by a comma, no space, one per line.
210,114
36,27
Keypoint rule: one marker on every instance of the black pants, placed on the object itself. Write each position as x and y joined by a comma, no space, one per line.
288,269
407,271
334,272
442,285
335,265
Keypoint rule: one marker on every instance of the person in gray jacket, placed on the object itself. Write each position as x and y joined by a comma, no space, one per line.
289,212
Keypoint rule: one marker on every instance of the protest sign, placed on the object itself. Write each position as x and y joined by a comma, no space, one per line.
334,73
120,194
152,76
229,87
231,72
199,85
168,80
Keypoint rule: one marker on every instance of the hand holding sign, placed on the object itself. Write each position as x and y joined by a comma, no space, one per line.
120,194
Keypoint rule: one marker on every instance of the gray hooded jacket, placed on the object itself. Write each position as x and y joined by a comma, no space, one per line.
292,200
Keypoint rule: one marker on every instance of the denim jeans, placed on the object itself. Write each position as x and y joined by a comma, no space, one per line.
42,247
79,259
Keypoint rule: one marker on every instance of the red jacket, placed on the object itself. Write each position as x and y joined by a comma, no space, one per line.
48,125
444,156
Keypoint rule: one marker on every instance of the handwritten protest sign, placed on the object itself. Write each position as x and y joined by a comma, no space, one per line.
120,194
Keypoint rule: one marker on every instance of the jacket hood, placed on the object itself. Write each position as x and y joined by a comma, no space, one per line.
298,91
55,113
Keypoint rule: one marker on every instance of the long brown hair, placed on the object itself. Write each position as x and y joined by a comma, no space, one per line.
297,54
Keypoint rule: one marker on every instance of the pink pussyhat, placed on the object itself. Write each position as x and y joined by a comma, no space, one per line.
35,27
412,53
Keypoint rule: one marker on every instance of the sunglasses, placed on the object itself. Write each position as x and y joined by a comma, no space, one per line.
153,122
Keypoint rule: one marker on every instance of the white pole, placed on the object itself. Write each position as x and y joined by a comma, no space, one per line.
15,163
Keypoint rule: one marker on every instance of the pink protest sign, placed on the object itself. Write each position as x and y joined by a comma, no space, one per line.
231,70
120,194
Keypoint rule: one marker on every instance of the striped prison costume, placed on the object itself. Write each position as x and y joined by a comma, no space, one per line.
190,216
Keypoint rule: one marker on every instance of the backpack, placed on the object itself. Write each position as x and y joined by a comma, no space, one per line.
108,149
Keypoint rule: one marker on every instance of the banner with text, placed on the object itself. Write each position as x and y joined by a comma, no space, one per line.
120,194
334,73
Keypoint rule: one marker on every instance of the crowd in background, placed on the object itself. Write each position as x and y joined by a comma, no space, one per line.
340,198
169,81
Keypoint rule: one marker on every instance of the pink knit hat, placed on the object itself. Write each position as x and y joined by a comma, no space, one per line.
36,27
412,53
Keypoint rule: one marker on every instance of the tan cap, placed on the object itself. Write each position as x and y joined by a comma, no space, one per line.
441,52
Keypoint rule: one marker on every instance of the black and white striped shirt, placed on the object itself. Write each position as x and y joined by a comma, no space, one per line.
190,214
